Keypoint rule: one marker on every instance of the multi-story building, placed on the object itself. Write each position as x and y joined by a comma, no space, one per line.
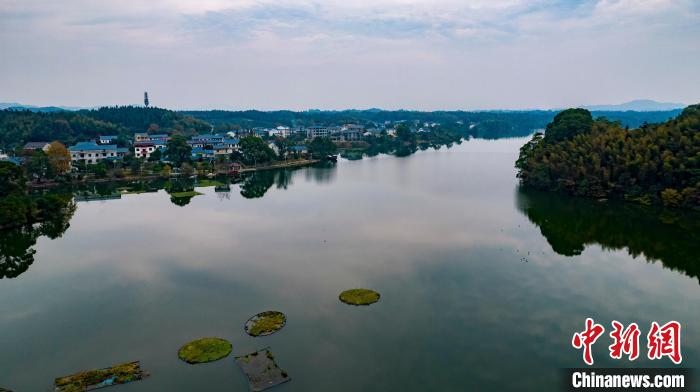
91,152
351,132
145,149
280,131
315,131
145,137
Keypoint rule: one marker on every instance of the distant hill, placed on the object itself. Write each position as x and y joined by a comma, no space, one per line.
20,126
639,105
32,108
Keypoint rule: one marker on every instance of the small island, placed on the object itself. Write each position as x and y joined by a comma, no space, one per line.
656,164
204,350
359,297
265,323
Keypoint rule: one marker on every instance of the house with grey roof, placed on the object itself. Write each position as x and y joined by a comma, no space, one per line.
32,146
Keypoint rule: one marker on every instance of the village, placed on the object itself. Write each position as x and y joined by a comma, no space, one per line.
149,153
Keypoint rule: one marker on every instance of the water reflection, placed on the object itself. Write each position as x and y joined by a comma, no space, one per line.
569,224
17,244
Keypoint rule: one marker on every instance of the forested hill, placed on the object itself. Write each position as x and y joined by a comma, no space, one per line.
654,164
19,127
486,123
140,119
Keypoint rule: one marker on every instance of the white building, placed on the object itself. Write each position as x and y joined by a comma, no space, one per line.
318,131
145,149
91,152
351,132
280,131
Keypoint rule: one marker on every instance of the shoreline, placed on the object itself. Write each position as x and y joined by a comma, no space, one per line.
278,165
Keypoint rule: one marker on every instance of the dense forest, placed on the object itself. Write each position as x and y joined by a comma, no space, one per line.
487,124
142,119
653,164
20,126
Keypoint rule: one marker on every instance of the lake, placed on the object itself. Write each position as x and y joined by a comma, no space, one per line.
482,284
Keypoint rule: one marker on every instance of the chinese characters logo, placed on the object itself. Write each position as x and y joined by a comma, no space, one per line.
662,340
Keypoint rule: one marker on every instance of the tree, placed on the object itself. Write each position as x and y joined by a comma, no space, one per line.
255,150
282,145
321,147
404,134
12,179
155,156
178,151
59,157
567,124
38,166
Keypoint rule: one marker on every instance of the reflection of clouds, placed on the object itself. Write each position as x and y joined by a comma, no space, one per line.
442,249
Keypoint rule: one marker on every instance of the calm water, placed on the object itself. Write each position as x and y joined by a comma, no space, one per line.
482,285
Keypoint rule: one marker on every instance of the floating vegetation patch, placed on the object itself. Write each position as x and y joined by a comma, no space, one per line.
185,194
262,370
204,350
207,183
94,379
265,323
359,296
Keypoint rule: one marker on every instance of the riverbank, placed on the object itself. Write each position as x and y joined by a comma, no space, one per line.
151,176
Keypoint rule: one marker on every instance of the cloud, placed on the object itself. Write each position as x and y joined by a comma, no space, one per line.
304,47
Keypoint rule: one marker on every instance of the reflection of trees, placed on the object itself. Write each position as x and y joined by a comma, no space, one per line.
176,189
322,172
257,184
16,244
569,224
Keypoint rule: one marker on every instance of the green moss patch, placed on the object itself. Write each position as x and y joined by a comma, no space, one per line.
185,194
93,379
206,183
359,296
204,350
261,369
265,323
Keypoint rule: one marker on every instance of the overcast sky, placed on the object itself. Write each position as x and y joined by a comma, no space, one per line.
338,54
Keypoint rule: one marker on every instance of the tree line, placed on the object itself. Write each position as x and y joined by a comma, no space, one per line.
652,164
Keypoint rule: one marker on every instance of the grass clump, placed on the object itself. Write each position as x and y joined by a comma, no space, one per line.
265,323
359,296
115,375
185,194
207,182
204,350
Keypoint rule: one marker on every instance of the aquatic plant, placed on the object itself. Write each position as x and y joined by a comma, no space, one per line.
359,296
204,350
265,323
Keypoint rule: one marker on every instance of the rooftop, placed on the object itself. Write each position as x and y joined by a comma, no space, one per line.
35,145
92,146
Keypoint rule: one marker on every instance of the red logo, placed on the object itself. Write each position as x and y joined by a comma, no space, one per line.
625,342
665,341
662,341
586,338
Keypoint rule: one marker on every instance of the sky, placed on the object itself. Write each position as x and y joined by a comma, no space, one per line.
342,54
